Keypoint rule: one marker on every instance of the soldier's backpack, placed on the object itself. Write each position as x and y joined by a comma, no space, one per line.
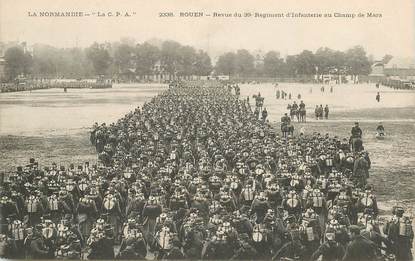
48,232
308,232
258,234
83,184
405,227
329,162
248,193
62,252
293,201
318,200
17,230
53,203
367,201
164,239
343,200
32,203
109,202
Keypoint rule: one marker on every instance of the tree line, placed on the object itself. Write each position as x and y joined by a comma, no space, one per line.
108,59
173,58
353,61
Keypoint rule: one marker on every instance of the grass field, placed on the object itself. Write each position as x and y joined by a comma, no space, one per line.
62,149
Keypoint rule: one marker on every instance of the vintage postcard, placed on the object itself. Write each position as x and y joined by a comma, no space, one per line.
222,130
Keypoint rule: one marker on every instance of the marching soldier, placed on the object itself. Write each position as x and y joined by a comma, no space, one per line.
111,207
400,233
150,213
87,212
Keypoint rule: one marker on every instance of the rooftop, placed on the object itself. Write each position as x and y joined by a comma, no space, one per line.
401,63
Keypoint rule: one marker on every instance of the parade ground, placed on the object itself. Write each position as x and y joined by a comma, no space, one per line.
53,126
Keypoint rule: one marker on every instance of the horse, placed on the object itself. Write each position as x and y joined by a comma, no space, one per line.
287,129
356,144
301,115
293,112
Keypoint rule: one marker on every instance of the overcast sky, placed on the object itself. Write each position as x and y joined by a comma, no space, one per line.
394,33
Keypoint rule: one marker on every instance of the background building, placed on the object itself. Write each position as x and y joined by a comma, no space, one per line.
397,68
400,68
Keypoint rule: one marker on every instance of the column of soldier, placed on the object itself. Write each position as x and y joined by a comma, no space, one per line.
194,174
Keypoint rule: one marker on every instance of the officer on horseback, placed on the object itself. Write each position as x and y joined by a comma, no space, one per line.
285,123
302,105
294,106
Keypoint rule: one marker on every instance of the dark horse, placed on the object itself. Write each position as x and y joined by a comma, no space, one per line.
356,144
287,129
293,112
301,115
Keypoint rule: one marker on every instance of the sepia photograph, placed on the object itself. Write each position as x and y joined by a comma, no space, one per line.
207,130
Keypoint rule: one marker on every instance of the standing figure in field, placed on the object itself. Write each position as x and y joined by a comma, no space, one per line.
326,112
380,131
320,111
259,101
237,90
400,234
356,138
264,114
361,168
302,112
